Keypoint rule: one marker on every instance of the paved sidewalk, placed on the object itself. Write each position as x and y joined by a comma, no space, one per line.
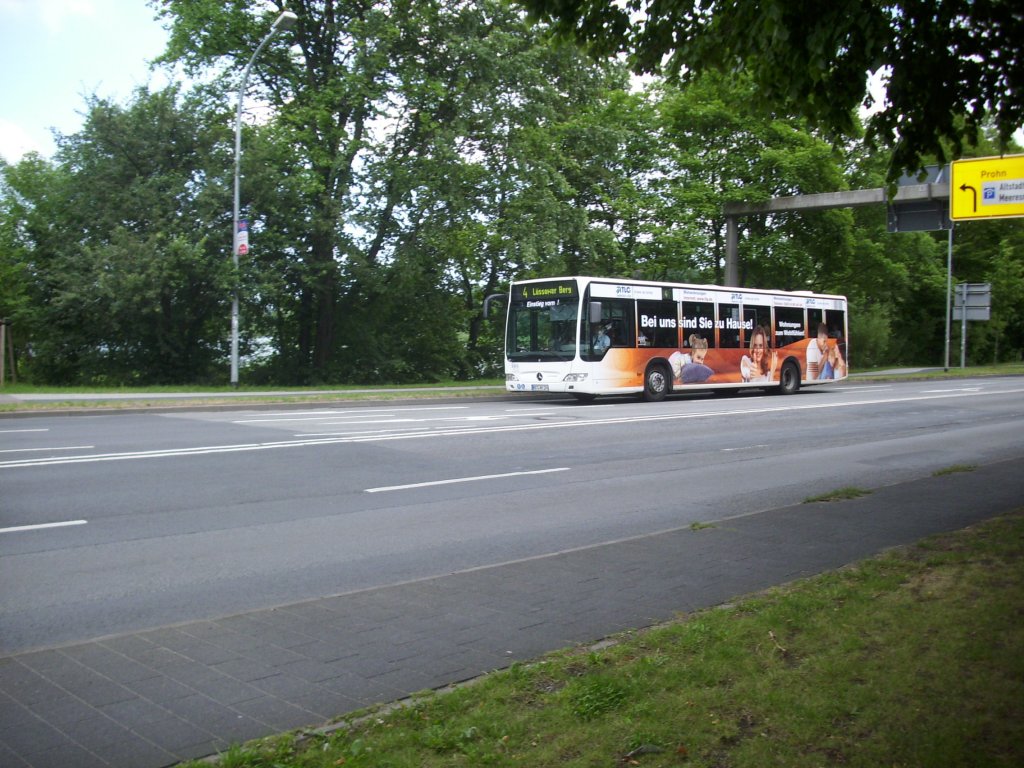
157,697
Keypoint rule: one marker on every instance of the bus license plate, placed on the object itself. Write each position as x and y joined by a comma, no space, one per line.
540,388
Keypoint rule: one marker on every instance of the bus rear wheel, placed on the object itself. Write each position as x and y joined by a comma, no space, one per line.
656,383
789,379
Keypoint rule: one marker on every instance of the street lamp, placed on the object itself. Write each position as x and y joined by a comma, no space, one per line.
283,22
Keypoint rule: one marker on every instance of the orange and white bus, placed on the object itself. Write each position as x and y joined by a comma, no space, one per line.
589,336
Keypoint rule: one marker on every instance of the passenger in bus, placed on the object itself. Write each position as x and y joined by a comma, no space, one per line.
601,340
760,365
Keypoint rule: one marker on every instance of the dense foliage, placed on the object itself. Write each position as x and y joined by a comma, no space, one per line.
949,65
402,160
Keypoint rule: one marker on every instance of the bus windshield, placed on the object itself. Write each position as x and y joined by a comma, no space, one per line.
542,322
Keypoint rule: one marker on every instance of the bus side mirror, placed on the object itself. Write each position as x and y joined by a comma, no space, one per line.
489,299
595,312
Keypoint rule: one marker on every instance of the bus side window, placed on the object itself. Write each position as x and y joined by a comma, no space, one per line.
729,326
789,326
698,319
619,316
754,317
815,317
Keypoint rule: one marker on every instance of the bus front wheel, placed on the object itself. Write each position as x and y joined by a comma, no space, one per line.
656,384
789,379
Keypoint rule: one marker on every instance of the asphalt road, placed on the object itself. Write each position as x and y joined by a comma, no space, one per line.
113,523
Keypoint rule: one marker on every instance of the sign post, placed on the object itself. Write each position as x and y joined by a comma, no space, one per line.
973,302
986,188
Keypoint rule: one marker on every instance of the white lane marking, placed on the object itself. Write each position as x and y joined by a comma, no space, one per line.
364,433
41,526
744,448
464,480
55,448
12,431
451,431
355,413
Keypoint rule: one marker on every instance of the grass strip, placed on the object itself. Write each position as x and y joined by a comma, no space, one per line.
912,658
840,494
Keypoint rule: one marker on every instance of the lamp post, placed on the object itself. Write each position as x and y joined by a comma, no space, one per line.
282,23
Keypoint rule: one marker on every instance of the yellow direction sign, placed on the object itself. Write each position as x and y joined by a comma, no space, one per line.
986,187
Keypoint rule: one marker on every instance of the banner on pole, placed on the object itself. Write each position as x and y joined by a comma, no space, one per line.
242,238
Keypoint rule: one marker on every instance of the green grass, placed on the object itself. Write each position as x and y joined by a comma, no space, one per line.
952,470
955,372
224,395
913,658
327,393
840,494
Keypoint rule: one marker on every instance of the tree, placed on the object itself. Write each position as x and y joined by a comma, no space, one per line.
949,65
117,279
409,170
721,150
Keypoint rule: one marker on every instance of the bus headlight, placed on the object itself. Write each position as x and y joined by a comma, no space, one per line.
575,377
511,377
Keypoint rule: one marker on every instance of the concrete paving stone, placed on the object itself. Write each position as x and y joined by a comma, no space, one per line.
164,637
404,680
206,630
281,637
157,657
202,750
236,731
137,753
98,691
468,617
42,694
285,687
277,714
212,716
222,688
29,688
315,614
65,756
270,654
240,643
365,692
161,689
174,734
377,608
245,669
325,652
209,653
134,712
129,646
181,670
11,759
39,662
28,736
472,661
198,650
61,713
313,671
112,665
326,704
97,732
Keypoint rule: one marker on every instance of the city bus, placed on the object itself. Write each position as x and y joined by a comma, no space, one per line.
590,336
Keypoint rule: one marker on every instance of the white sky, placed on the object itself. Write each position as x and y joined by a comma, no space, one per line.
55,53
